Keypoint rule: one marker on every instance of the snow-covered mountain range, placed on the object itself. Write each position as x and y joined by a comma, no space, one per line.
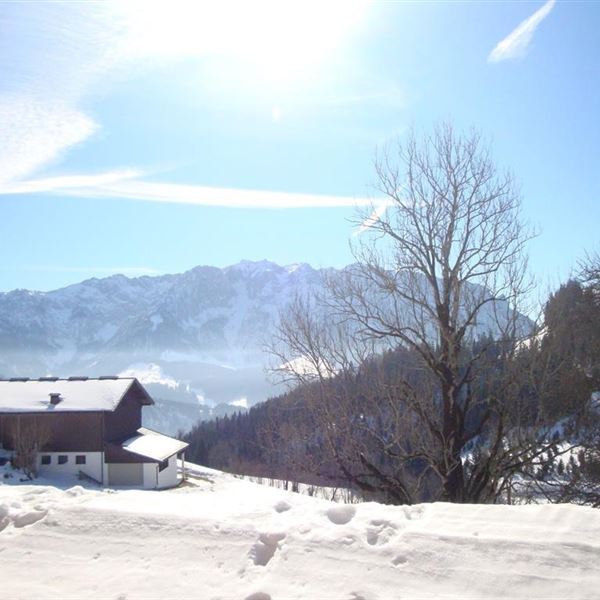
195,339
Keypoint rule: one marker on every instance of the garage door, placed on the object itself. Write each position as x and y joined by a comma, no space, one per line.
125,474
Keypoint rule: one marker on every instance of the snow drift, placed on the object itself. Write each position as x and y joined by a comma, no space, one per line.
220,537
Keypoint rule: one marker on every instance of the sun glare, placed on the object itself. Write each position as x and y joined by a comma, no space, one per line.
277,40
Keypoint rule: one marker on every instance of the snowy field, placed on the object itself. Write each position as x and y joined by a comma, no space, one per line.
222,537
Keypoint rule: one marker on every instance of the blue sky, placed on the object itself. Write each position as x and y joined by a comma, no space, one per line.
152,137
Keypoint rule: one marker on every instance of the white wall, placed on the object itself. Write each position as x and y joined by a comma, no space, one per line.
155,479
96,467
92,467
168,477
150,470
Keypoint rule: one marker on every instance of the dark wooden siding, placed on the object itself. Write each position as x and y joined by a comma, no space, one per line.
124,422
64,431
82,430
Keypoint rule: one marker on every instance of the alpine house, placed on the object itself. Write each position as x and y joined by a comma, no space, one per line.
87,427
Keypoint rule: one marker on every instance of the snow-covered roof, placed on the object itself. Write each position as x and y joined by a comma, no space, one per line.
73,394
154,445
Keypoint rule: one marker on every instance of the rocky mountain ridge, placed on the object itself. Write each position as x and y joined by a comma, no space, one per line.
195,339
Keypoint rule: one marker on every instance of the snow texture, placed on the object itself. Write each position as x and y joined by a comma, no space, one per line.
88,395
154,445
147,373
219,537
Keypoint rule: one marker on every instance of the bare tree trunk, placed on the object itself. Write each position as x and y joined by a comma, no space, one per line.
435,273
29,435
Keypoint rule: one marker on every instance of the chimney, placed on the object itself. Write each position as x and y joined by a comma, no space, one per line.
55,398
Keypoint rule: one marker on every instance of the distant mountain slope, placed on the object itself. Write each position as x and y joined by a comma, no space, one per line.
205,313
194,338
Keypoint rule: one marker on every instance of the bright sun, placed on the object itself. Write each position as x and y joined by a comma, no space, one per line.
276,39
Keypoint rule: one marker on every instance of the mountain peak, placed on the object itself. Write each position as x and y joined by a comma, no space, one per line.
247,266
298,267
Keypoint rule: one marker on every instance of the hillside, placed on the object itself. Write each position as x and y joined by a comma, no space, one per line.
220,537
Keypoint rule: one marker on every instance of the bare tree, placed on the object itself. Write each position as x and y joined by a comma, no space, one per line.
589,271
29,435
444,264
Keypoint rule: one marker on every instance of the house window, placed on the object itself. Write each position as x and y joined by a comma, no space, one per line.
80,459
163,465
46,459
63,459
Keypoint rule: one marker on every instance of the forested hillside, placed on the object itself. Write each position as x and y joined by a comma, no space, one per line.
284,437
399,393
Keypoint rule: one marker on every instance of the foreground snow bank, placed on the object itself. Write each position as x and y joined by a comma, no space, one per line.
221,537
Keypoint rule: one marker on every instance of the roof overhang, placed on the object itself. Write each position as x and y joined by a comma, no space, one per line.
145,398
153,445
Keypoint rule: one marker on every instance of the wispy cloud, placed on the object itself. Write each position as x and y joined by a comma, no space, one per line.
53,55
35,133
150,191
125,184
65,184
515,44
49,54
378,212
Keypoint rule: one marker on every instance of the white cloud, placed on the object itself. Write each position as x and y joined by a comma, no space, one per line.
48,56
176,193
35,133
515,44
123,184
65,183
53,55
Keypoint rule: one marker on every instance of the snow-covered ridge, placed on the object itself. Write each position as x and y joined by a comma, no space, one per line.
221,537
205,310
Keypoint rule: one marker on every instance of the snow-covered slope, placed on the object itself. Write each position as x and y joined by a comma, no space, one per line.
221,537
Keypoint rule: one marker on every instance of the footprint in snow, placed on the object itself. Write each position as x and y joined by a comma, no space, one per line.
28,518
380,532
258,596
399,560
361,596
264,550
